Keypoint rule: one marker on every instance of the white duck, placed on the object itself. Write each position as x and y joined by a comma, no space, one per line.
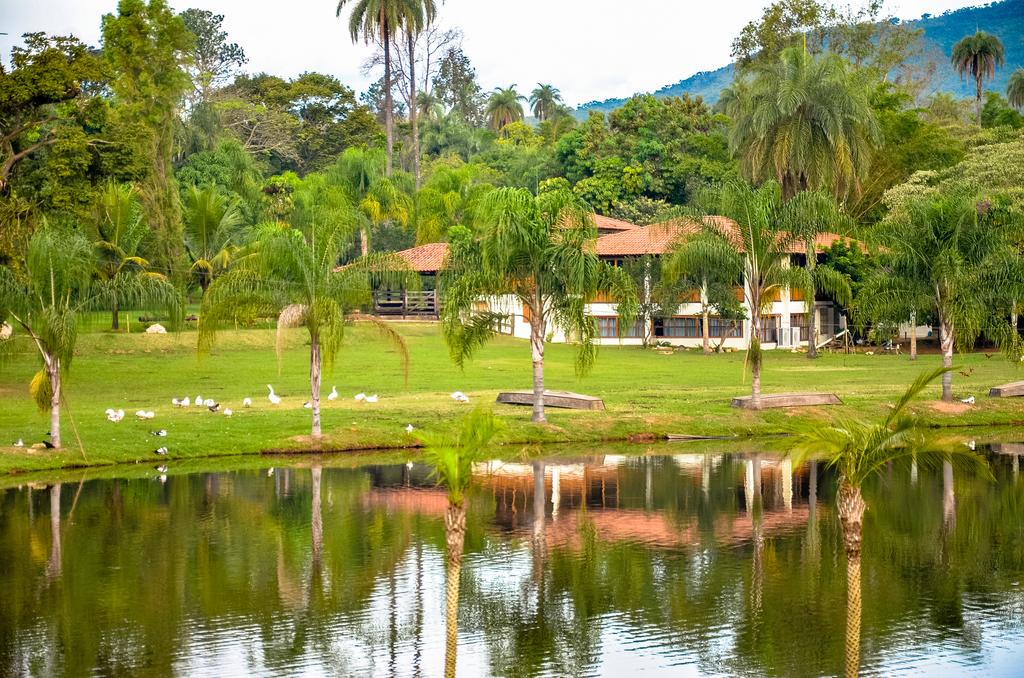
360,397
307,405
409,428
372,398
273,397
460,397
185,402
176,402
246,402
209,402
145,414
333,395
228,412
198,401
969,400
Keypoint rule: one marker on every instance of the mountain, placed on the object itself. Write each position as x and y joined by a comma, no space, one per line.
1004,19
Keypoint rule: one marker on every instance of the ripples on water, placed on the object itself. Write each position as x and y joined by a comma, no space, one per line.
674,565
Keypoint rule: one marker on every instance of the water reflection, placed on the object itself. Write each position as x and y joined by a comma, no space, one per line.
727,564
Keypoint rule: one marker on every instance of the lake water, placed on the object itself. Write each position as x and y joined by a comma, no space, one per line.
667,564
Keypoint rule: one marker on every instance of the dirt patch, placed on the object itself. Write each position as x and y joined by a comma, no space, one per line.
943,407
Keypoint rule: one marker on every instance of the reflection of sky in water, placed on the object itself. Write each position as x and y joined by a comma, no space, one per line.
650,566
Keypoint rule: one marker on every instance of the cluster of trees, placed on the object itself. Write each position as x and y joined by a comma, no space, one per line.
154,163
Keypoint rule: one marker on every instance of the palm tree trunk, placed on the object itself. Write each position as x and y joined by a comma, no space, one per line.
413,112
706,312
53,374
812,325
851,506
364,240
389,122
537,347
977,98
455,535
946,342
913,336
755,369
115,315
315,365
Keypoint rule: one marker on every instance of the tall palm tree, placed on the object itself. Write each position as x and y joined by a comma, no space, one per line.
292,272
57,287
452,457
416,15
766,225
817,213
118,231
1015,88
213,233
711,264
379,20
858,450
544,100
954,256
540,252
978,56
503,107
803,121
451,197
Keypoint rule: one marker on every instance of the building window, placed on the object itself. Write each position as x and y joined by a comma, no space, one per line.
798,321
680,327
770,329
608,327
719,328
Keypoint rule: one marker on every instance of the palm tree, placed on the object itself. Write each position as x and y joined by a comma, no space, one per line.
118,230
429,105
451,197
538,251
805,122
379,20
544,101
292,272
416,15
503,107
379,198
954,256
978,56
764,235
452,457
1015,89
213,233
59,285
712,267
859,450
817,213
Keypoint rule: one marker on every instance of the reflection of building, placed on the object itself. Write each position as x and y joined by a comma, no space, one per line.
584,497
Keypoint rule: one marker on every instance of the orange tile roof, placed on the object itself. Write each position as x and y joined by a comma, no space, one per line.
658,238
608,224
426,258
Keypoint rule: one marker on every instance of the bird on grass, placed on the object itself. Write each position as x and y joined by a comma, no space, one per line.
160,450
360,397
409,428
246,402
969,400
307,405
19,443
333,395
114,415
198,401
209,402
273,397
371,398
968,372
145,414
180,402
213,407
228,412
162,433
460,397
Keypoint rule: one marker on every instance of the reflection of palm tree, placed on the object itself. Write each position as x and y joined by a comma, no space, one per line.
948,497
317,519
452,458
859,450
53,565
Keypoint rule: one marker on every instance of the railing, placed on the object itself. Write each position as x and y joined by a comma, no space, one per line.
401,302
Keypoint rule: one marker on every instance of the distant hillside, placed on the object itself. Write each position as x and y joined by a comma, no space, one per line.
1004,19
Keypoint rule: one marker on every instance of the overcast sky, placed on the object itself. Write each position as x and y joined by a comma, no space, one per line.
590,49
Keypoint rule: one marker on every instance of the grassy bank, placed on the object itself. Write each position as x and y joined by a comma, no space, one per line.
645,393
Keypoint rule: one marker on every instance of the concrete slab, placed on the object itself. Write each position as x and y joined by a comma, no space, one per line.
773,400
1014,388
565,399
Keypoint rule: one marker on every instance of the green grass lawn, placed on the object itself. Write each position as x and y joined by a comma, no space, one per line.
645,393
